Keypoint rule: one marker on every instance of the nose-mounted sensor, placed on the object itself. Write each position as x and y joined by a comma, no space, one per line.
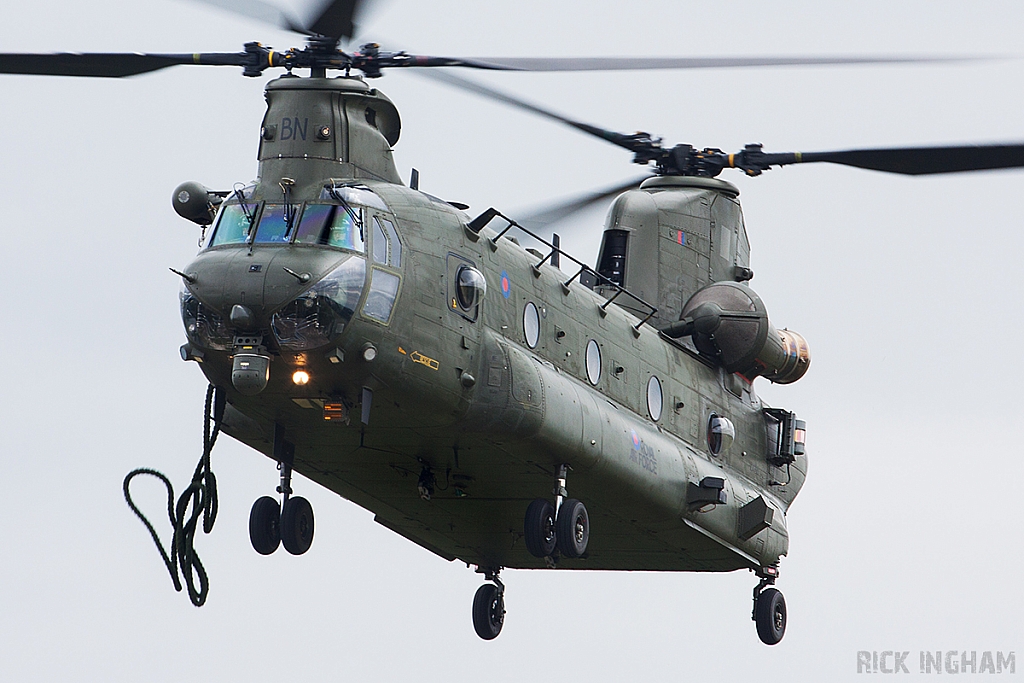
250,373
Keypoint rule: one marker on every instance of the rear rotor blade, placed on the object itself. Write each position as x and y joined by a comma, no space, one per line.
106,65
925,160
549,216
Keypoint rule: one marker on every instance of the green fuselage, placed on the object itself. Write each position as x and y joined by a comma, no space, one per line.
465,393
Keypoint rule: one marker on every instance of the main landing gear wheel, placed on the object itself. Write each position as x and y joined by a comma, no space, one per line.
265,525
488,611
770,616
572,531
297,525
539,528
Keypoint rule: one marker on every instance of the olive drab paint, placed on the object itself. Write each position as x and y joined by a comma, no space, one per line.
477,399
467,411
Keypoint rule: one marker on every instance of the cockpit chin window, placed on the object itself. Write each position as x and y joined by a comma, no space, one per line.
204,326
320,314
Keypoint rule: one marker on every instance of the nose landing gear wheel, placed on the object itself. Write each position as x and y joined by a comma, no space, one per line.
297,525
488,611
265,525
539,528
572,528
770,616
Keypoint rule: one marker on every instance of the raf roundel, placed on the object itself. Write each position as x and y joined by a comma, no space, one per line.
506,286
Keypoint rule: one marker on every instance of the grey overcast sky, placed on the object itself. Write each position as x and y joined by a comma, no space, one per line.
905,537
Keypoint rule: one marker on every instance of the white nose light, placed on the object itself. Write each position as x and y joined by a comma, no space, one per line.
300,377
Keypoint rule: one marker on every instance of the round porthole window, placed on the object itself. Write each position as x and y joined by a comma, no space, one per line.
654,398
531,325
593,361
470,287
720,433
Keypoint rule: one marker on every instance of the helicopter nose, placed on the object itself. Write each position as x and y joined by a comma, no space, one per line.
244,301
247,287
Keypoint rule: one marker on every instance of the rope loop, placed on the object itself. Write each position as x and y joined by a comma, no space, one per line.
198,499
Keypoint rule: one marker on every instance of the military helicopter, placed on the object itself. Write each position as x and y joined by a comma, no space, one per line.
419,362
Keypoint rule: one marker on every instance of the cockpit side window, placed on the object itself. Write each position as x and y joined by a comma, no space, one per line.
381,298
386,250
233,227
380,243
395,243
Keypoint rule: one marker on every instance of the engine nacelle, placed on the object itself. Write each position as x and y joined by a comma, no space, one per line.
728,321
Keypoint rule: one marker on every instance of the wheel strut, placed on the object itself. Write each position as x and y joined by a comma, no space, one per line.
491,574
285,487
284,453
767,579
560,492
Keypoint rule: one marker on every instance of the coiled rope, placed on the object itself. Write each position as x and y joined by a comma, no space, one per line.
199,498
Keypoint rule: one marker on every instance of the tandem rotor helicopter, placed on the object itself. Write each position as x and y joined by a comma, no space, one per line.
480,400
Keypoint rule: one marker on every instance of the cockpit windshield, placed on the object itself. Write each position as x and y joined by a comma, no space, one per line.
234,225
274,225
331,225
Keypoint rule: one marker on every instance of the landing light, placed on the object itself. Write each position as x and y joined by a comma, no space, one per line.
300,377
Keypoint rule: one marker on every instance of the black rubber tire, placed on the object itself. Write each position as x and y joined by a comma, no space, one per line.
770,616
572,530
539,528
265,525
488,611
297,525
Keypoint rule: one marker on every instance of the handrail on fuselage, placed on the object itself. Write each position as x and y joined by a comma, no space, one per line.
478,224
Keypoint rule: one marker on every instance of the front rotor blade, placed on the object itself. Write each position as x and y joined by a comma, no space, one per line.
336,19
333,18
629,142
260,11
639,63
925,160
105,65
